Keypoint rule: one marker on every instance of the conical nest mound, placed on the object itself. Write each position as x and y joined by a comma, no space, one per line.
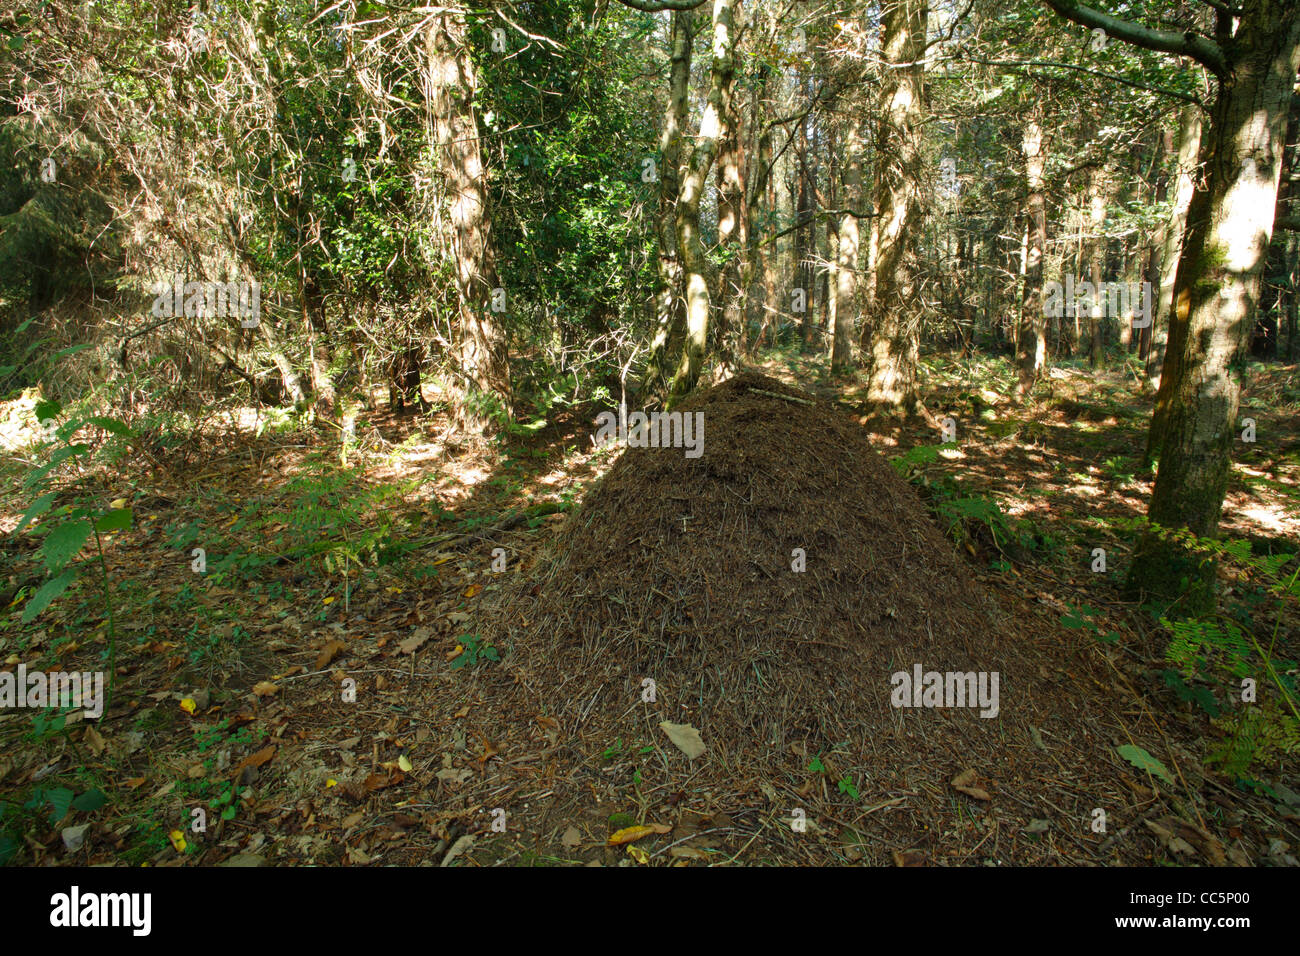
769,587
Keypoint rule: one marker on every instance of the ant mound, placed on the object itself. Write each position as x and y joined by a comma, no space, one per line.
781,590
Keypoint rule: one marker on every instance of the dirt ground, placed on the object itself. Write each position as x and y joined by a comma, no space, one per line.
500,716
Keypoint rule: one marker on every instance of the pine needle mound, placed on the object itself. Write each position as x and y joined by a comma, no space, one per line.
679,570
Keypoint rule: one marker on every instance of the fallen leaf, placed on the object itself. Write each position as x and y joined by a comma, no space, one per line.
455,653
457,848
909,858
328,653
688,853
629,835
189,705
685,737
380,782
964,783
254,760
472,590
638,854
415,641
404,763
265,689
94,741
571,837
178,840
74,837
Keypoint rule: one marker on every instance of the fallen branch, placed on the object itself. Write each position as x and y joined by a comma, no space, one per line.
787,398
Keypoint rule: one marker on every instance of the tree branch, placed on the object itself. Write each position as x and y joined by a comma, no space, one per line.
1200,48
657,6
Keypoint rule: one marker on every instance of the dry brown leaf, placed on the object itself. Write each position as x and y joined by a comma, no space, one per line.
327,653
417,639
909,858
379,781
93,740
571,837
254,760
265,689
685,737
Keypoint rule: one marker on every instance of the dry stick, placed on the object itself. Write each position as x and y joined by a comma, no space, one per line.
787,398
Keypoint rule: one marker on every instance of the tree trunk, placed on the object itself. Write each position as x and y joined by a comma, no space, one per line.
1216,293
696,170
1189,146
1032,347
669,312
846,302
895,312
733,221
484,372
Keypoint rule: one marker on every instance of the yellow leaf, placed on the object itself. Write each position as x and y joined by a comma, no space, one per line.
118,504
331,782
328,600
404,763
189,706
473,589
178,840
452,655
629,835
638,854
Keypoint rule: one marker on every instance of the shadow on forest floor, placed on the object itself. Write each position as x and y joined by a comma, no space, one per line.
231,684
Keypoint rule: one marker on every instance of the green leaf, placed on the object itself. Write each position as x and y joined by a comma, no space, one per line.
47,593
119,519
1144,761
63,543
60,455
92,799
60,800
38,508
111,425
48,409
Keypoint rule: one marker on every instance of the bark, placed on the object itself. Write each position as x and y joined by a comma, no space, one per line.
670,319
1032,345
1189,146
690,247
1216,294
846,302
895,313
733,219
481,356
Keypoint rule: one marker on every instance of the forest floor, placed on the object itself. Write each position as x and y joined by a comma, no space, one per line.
232,684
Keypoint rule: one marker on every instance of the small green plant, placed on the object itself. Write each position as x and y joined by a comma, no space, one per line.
475,650
613,750
845,786
66,528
